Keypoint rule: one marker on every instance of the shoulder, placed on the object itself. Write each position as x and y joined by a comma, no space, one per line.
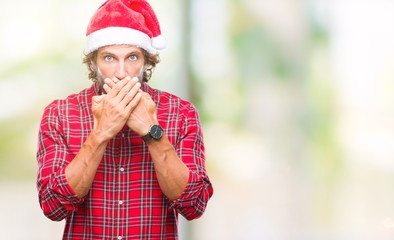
83,97
72,102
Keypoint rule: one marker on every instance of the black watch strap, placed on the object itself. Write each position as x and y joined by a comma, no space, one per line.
147,137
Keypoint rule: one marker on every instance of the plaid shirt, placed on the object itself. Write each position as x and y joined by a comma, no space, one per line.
125,200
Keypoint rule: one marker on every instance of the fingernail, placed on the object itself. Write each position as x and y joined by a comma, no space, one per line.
107,80
135,79
128,78
105,86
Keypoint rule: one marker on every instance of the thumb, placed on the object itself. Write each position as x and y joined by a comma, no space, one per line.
97,99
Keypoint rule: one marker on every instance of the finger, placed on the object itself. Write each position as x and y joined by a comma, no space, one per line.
100,97
109,82
147,98
97,99
106,88
126,89
135,79
131,94
146,95
115,79
116,89
133,103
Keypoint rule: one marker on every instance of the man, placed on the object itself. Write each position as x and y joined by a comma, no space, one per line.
120,160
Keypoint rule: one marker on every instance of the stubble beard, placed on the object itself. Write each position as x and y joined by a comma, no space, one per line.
100,77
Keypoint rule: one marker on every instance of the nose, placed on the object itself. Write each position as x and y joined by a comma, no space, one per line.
121,72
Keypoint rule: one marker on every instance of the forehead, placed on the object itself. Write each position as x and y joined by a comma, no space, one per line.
120,49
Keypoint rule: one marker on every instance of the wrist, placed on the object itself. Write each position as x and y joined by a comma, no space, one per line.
100,137
162,143
154,133
141,128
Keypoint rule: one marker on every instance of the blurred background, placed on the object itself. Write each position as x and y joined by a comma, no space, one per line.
295,97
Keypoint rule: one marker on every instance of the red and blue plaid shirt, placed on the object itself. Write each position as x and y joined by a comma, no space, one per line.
125,200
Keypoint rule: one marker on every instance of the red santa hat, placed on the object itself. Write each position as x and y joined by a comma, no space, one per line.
131,22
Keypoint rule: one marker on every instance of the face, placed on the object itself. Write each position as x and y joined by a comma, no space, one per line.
119,61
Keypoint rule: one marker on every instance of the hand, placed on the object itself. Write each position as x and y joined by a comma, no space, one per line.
143,115
111,111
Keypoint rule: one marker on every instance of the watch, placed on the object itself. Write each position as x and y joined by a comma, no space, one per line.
155,132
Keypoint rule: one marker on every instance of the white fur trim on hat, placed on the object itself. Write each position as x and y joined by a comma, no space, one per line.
159,42
119,35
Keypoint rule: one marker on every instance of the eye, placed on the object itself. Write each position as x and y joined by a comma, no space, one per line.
109,58
133,57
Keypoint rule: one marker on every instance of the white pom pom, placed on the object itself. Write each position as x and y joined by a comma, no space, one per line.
159,42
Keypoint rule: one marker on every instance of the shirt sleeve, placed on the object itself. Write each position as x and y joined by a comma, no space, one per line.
57,199
190,149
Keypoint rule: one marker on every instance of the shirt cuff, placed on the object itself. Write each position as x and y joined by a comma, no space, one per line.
189,195
66,195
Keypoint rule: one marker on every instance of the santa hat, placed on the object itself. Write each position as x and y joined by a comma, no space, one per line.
131,22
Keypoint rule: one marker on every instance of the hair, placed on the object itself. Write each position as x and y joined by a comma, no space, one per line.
150,61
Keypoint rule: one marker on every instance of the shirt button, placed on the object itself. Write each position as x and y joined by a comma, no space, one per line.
121,202
120,237
121,169
123,135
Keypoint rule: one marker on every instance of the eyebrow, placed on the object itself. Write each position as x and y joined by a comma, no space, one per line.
129,53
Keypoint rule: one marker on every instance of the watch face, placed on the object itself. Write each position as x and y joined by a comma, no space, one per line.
156,131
